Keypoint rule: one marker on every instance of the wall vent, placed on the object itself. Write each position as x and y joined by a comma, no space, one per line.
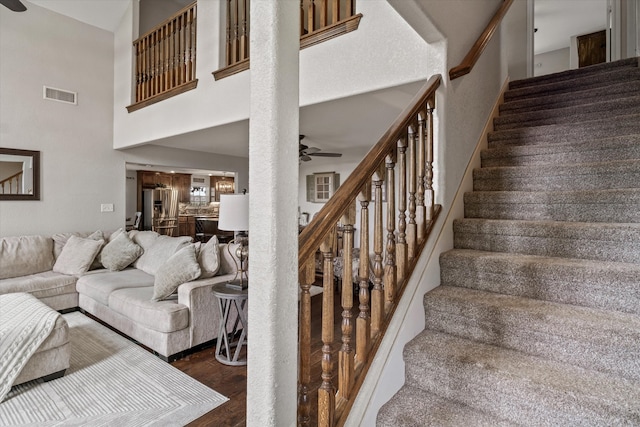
60,95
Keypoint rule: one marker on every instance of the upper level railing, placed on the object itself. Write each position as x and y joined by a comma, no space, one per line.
396,178
11,184
165,59
320,20
478,47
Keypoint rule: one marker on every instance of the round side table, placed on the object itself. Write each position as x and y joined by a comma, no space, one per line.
228,341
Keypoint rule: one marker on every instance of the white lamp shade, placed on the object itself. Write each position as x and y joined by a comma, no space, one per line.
234,212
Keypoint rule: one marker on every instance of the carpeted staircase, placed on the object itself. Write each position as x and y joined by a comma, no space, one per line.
537,319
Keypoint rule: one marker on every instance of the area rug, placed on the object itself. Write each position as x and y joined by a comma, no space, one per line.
111,382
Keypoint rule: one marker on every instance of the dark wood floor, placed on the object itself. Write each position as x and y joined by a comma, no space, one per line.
231,381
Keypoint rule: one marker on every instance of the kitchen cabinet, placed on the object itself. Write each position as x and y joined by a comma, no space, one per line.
186,226
153,179
182,182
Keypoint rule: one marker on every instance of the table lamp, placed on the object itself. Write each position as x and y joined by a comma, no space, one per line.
234,216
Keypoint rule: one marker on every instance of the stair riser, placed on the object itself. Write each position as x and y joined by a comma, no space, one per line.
501,396
595,179
575,285
569,133
524,331
583,83
589,154
572,74
538,212
544,102
569,115
550,239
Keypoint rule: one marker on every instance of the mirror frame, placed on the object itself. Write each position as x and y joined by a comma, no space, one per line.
35,155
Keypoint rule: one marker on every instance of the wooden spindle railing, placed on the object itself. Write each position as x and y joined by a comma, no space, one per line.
385,263
165,59
320,20
11,184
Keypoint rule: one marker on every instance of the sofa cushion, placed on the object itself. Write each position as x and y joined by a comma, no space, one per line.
159,252
40,285
101,283
120,253
162,316
209,258
181,267
25,255
77,255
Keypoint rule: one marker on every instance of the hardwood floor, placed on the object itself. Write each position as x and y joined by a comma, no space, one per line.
231,381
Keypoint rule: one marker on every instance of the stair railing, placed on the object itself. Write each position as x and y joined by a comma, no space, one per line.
395,180
478,47
165,59
13,182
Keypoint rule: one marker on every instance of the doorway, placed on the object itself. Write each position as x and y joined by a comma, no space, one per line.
592,48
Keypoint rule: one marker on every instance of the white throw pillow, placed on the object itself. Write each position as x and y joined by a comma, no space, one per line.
181,267
209,258
77,255
162,248
119,253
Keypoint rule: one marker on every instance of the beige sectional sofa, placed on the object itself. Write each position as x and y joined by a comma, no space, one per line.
140,300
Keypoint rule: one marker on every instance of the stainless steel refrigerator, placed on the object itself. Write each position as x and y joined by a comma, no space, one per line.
160,211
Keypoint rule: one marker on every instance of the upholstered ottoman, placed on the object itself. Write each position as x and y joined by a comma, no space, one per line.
35,340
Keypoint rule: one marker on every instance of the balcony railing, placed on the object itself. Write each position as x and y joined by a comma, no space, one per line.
320,20
12,184
165,59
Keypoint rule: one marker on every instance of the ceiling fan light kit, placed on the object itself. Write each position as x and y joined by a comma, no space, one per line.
305,152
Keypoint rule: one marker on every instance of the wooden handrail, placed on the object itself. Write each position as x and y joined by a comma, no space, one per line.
389,247
326,218
474,54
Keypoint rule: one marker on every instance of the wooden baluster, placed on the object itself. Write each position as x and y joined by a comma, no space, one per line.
307,278
390,273
244,31
138,71
323,13
401,247
326,392
335,11
350,9
311,16
363,325
420,209
165,58
229,33
149,67
192,44
171,53
377,292
234,33
430,196
411,226
145,71
156,63
301,18
346,361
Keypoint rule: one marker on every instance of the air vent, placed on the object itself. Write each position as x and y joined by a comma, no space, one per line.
60,95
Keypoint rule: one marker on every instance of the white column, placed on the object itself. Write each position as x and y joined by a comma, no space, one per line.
273,227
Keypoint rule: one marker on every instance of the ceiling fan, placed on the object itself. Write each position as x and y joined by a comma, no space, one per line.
14,5
305,152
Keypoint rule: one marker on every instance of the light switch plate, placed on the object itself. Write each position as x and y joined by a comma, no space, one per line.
106,207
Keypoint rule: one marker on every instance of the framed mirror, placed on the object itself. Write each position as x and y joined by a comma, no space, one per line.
19,174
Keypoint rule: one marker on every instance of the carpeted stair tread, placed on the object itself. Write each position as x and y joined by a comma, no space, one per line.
604,285
580,336
524,389
589,151
581,176
590,81
579,113
610,205
584,240
413,407
570,132
571,74
579,97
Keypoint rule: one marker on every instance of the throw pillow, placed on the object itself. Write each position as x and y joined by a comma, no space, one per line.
77,255
209,258
159,252
181,267
119,253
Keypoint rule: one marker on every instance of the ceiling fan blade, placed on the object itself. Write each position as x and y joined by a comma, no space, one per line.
14,5
305,158
321,154
312,150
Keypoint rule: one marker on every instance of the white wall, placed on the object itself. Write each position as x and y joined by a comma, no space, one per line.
551,62
79,168
337,68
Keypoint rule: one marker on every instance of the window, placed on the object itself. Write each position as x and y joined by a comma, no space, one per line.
321,186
